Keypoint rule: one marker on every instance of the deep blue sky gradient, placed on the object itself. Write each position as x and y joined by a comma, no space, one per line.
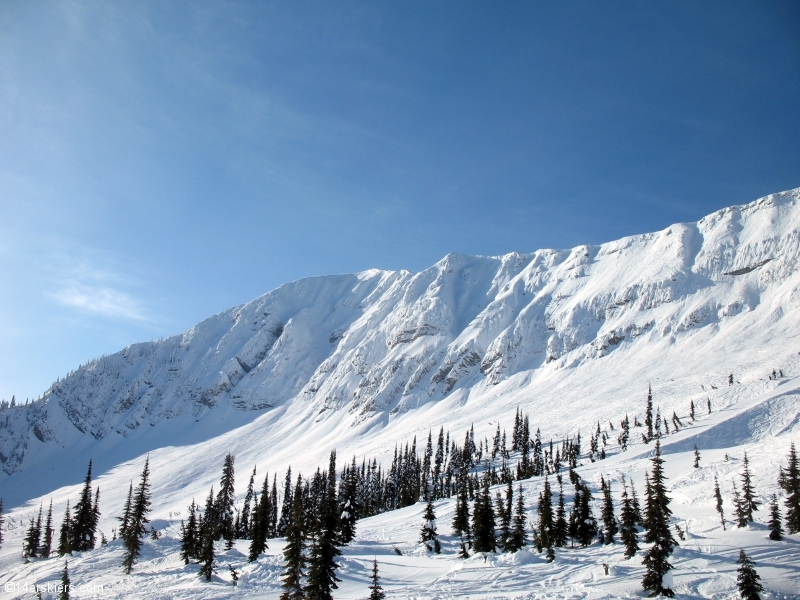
160,162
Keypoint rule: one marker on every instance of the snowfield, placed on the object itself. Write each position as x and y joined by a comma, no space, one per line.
363,362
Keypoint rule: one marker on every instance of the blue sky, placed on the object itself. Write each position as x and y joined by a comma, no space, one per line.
163,161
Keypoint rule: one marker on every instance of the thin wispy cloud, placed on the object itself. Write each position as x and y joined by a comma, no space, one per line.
101,300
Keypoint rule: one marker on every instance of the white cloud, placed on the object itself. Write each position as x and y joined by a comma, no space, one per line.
102,300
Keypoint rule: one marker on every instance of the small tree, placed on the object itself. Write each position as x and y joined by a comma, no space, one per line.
47,545
656,559
628,531
63,593
775,526
428,535
65,534
223,507
190,536
137,525
696,457
518,537
294,551
747,580
375,590
609,521
739,508
749,504
718,497
789,481
208,534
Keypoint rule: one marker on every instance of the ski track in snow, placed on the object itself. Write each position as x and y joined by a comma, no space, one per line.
397,360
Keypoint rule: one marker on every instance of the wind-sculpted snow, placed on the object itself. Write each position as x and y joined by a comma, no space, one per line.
372,346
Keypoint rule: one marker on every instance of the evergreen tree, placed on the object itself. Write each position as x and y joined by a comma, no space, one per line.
483,520
637,510
747,580
260,523
245,519
63,592
349,502
223,507
286,508
190,536
628,531
461,517
648,417
47,545
30,546
657,515
294,551
585,523
691,410
561,527
505,510
208,534
136,527
739,508
125,519
518,537
375,590
749,504
789,482
775,525
83,521
322,563
2,520
546,518
718,497
65,534
609,521
428,536
696,456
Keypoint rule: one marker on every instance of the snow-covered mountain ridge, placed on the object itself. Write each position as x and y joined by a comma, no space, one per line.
354,352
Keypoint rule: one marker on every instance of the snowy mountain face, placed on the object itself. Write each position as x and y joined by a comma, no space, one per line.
364,349
703,312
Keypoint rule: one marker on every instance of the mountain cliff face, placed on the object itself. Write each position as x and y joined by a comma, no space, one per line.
371,346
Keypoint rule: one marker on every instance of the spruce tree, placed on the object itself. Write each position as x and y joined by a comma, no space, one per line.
718,498
546,517
136,527
286,508
190,536
518,535
322,563
428,536
83,521
294,551
504,511
125,519
260,523
586,525
561,528
65,534
789,482
208,534
691,410
375,590
47,544
461,516
63,592
739,508
349,512
747,580
696,457
775,525
246,516
483,520
609,521
648,417
657,515
628,532
223,507
30,546
749,504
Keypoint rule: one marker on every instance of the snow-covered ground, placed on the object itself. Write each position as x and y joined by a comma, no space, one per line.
362,362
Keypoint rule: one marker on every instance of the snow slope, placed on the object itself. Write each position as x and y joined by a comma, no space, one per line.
361,362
